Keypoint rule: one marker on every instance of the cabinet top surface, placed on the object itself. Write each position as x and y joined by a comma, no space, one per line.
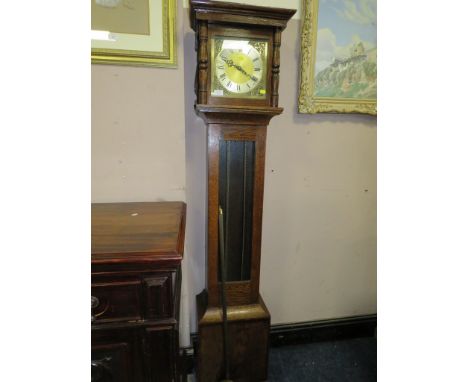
137,231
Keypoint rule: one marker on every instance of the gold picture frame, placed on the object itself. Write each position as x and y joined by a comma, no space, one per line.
165,56
308,102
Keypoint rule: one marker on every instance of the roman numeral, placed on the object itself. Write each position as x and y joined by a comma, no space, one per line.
220,67
255,59
229,83
256,69
254,78
222,76
238,88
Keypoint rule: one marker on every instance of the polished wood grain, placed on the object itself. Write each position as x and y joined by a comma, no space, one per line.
112,362
244,124
203,73
235,120
237,115
275,67
137,232
235,13
117,300
249,327
243,292
136,280
212,18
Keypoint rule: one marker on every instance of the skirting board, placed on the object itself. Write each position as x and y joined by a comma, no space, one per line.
300,333
324,330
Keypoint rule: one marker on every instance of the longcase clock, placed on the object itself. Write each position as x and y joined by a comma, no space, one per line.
238,48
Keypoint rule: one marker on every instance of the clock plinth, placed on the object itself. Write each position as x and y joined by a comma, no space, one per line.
237,94
248,333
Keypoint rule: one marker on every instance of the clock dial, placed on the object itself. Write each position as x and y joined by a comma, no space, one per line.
238,68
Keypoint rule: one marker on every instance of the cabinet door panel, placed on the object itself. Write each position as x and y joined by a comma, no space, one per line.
159,350
116,355
110,363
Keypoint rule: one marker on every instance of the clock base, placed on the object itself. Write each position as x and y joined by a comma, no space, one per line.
248,333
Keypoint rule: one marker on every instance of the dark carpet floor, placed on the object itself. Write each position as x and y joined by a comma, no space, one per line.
353,360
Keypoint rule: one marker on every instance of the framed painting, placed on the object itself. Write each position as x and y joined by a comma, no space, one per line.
339,57
133,32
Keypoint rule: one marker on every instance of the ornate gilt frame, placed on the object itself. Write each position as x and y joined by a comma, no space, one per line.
307,102
165,58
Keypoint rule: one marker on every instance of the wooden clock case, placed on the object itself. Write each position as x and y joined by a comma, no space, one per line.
241,124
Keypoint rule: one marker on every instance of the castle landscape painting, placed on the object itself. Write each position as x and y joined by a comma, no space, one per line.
346,53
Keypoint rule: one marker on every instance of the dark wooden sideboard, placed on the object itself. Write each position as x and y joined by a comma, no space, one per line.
137,250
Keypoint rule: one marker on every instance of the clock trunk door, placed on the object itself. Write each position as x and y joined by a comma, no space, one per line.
236,182
236,168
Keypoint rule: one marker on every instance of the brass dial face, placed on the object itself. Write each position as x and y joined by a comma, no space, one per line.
239,71
238,68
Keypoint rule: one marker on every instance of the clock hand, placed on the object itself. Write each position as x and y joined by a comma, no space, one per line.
239,68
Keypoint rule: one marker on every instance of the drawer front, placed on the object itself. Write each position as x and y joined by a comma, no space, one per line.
115,301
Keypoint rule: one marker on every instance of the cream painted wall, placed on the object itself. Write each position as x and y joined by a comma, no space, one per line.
137,134
319,225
